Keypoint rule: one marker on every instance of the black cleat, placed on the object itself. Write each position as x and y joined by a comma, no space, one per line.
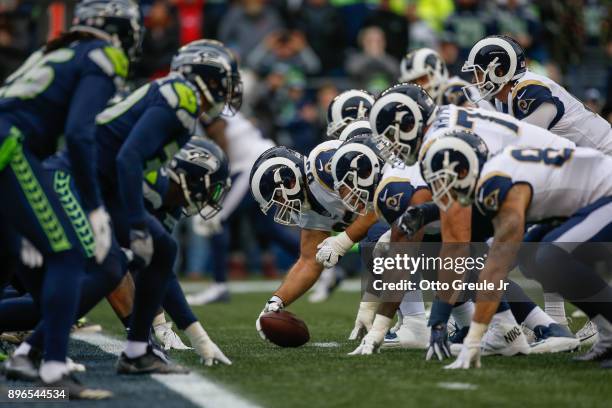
596,354
23,367
76,390
152,362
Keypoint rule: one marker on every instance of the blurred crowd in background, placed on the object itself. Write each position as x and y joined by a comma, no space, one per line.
297,55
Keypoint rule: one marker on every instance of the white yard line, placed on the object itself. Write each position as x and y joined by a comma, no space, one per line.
197,389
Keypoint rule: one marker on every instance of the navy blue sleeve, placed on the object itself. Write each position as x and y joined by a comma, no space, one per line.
392,198
491,194
89,98
528,98
148,136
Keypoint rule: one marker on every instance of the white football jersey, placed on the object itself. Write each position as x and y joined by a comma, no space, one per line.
325,210
498,130
573,121
562,181
245,143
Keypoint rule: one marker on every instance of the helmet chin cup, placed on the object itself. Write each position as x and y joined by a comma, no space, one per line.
355,199
441,183
288,212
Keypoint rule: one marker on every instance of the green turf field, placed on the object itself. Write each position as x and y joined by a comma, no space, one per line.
326,377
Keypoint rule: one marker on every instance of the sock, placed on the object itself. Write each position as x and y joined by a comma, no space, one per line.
159,319
51,371
463,314
520,304
554,306
537,317
176,305
23,349
126,321
505,317
135,349
412,304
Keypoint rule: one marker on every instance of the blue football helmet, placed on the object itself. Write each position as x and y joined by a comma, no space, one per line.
347,107
118,20
213,70
398,119
202,170
355,128
357,170
425,63
278,179
451,167
493,61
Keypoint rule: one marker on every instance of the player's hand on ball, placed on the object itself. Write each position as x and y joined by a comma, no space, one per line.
411,221
275,304
332,249
363,322
469,357
438,343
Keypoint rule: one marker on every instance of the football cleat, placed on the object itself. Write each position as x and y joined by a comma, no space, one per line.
23,367
553,338
217,292
152,362
500,340
588,334
412,334
75,390
596,353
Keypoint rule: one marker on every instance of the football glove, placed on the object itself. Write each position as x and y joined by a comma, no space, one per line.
207,228
141,245
411,221
168,338
332,249
470,351
275,304
375,337
209,352
364,319
101,228
30,256
438,343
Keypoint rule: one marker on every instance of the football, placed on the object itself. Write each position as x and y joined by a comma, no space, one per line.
284,329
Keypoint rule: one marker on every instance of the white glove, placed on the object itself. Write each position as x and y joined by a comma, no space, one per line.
30,255
381,248
101,228
275,304
332,249
470,351
207,228
141,245
363,322
372,341
168,338
211,353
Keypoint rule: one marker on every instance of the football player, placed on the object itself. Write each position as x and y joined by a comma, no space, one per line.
58,91
346,108
458,224
521,185
299,191
500,73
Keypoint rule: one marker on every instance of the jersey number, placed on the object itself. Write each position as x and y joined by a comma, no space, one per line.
35,75
551,157
465,119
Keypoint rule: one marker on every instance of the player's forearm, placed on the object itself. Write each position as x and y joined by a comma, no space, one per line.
301,277
359,228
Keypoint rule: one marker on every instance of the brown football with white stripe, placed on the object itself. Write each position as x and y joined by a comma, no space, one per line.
284,329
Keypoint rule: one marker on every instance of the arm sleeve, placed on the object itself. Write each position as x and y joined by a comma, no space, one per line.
542,116
90,98
148,135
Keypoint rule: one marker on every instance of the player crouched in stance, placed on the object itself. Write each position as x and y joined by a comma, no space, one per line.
59,90
527,185
300,192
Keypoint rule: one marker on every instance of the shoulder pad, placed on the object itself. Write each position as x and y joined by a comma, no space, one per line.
111,60
528,95
182,98
491,192
392,198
